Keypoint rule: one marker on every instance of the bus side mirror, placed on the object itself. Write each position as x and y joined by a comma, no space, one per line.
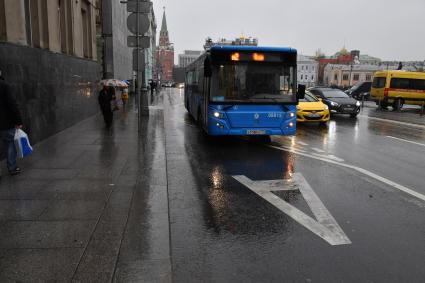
301,92
207,68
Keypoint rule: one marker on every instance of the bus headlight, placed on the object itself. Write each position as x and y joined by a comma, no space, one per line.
292,114
291,124
218,115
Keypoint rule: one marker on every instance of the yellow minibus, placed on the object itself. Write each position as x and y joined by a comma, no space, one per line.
397,88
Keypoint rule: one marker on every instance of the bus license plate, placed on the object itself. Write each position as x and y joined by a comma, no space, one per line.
255,132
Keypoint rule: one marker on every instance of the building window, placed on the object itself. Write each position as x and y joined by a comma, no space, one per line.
302,77
67,39
312,78
356,77
368,77
345,77
86,26
336,77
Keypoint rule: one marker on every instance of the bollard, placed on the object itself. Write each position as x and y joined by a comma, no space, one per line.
362,101
423,108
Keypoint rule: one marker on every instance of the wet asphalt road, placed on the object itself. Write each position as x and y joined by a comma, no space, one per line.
365,173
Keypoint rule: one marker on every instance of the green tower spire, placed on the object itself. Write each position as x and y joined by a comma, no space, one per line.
164,28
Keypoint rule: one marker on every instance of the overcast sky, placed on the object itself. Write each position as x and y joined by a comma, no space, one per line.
388,29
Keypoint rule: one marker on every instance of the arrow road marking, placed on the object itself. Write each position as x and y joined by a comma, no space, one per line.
325,226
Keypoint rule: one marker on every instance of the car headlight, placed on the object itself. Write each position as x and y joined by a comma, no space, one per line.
334,103
218,115
326,107
358,103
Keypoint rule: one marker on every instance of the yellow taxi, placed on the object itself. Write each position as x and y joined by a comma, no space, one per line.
311,109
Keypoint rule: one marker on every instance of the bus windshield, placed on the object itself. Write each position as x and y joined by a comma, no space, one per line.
253,82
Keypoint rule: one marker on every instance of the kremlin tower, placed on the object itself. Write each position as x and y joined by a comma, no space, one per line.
165,54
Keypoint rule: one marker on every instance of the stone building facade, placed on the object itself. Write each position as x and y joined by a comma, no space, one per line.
348,75
307,71
117,57
48,55
188,57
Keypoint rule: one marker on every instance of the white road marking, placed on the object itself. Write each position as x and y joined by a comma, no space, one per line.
318,150
156,107
325,226
393,122
329,156
333,157
412,142
358,169
302,143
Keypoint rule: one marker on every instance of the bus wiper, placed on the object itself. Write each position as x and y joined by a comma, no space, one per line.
228,107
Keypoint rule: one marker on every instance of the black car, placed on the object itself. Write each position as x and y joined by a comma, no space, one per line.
338,101
360,90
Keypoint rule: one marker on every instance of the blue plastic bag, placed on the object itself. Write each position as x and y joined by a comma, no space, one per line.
22,144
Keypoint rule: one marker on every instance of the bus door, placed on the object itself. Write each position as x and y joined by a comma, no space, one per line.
206,96
206,89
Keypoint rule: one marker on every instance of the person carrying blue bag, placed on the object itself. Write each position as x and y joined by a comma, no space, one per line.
10,121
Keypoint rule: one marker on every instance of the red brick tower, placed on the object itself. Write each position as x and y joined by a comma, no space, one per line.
165,54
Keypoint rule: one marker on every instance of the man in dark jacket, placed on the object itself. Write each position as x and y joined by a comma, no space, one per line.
105,98
10,120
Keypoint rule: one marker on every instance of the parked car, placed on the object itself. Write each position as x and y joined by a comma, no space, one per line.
360,90
311,109
338,101
168,84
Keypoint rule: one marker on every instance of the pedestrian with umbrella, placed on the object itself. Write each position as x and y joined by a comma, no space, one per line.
105,98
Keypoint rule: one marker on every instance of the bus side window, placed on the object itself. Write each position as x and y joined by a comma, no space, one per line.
418,84
189,78
201,80
400,83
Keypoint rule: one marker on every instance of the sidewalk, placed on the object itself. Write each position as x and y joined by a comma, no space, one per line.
90,206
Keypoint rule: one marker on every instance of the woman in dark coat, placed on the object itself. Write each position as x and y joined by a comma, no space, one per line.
105,98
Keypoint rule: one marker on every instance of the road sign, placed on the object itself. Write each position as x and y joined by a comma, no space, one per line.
144,23
141,60
144,41
144,7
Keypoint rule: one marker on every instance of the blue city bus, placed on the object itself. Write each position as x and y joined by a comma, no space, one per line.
244,90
